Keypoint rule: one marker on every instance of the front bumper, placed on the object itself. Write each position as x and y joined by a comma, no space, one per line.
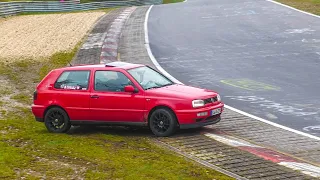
201,124
191,119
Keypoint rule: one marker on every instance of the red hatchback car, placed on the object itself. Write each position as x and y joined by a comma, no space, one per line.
121,93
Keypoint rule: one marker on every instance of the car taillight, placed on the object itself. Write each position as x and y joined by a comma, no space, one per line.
35,95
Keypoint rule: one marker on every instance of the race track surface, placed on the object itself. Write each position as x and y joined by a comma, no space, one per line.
261,57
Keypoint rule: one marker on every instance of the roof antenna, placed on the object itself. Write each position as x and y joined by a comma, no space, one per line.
70,64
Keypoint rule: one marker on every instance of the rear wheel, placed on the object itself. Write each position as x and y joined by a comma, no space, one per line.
56,120
163,122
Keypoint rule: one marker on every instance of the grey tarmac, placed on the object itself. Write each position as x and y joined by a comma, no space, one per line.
261,57
132,49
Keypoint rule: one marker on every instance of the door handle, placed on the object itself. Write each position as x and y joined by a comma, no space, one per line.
95,96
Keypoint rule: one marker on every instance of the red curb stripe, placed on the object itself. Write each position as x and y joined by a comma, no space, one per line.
110,43
109,50
113,37
268,154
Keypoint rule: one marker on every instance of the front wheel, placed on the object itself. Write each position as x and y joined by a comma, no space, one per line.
163,122
56,120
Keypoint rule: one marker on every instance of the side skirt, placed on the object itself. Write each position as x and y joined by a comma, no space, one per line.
110,123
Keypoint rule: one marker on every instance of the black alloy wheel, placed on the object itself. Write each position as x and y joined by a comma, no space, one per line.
56,120
163,122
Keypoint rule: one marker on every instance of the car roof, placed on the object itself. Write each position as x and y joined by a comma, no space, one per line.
111,65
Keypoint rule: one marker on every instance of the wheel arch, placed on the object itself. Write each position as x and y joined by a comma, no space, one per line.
54,106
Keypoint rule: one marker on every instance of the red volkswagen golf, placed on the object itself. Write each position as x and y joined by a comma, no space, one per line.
121,93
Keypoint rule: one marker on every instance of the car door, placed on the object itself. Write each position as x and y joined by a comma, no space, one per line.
72,93
110,103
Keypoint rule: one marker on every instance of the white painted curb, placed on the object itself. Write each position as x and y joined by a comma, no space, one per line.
155,62
235,142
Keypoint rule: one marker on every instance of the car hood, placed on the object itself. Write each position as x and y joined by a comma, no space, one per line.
183,91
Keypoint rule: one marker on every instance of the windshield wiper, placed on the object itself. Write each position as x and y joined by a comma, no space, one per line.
169,84
154,87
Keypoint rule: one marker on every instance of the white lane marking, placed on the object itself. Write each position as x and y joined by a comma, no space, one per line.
271,116
231,141
281,108
303,167
293,8
299,31
312,128
154,61
272,123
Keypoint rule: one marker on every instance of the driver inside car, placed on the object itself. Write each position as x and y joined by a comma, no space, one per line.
119,83
111,81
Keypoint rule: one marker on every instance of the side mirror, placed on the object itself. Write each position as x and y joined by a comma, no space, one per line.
130,88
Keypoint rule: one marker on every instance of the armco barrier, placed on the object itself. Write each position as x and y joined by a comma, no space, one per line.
7,9
13,8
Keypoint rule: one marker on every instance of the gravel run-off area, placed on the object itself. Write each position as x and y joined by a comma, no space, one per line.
38,36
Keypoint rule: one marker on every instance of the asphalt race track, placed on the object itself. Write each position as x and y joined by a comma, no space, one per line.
261,57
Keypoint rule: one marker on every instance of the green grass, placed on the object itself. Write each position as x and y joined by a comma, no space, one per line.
312,6
28,150
103,154
22,98
57,60
5,91
171,1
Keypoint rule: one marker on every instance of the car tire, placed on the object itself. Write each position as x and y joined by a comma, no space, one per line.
163,122
57,120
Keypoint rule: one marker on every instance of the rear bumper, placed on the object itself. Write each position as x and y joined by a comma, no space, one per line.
39,119
38,112
199,117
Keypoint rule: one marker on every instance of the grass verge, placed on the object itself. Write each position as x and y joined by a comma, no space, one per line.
28,151
311,6
171,1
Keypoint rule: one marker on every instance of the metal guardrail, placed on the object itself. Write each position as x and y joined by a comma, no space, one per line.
14,8
7,9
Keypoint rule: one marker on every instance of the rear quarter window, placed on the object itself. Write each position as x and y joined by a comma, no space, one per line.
73,80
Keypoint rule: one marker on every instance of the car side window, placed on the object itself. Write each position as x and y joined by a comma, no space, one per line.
73,80
110,81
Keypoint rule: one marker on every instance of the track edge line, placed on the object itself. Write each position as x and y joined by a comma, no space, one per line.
155,62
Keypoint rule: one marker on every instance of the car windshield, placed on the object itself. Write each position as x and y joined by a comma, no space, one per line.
149,78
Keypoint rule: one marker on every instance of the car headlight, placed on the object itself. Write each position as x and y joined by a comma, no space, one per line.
218,97
197,103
